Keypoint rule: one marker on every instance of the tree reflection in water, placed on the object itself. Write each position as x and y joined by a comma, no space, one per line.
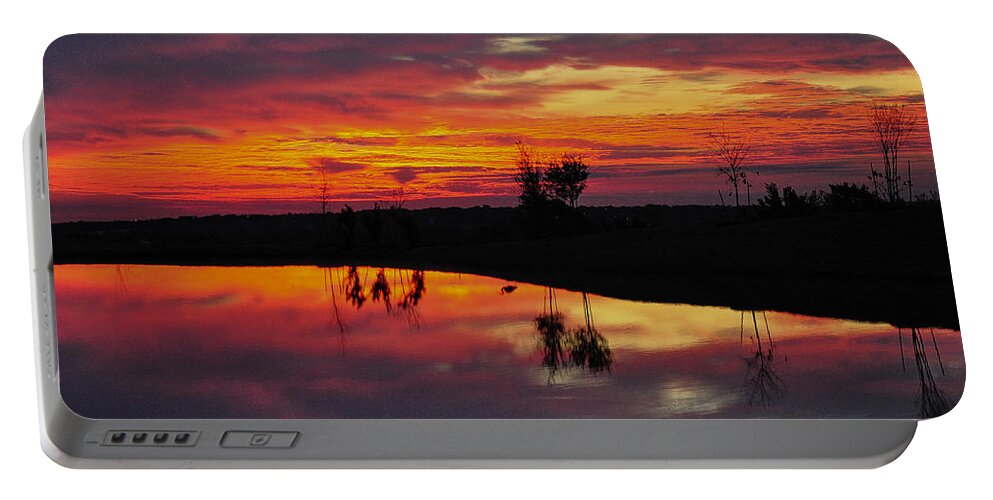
329,287
381,290
581,347
412,289
930,399
354,291
385,287
122,273
551,330
765,384
587,348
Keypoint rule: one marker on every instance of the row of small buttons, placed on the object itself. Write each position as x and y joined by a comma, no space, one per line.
158,438
146,438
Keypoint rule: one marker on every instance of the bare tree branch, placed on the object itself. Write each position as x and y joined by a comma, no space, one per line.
731,153
891,125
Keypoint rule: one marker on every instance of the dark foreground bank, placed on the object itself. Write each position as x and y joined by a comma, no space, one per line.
890,266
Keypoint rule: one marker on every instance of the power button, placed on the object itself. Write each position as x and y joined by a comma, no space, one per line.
258,439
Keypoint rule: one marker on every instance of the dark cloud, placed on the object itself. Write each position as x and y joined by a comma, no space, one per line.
544,88
343,103
865,90
165,68
805,112
99,133
68,207
252,169
334,166
781,87
65,136
196,132
778,53
403,175
351,141
463,99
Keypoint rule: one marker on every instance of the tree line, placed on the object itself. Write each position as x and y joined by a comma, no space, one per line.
891,126
549,185
562,180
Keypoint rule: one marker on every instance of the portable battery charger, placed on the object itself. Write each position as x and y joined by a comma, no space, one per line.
562,250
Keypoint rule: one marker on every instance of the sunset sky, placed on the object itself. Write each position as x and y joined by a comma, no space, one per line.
158,126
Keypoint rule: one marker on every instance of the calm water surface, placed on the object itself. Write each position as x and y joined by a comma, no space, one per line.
304,341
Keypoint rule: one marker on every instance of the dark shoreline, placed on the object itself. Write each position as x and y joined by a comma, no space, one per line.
897,302
889,266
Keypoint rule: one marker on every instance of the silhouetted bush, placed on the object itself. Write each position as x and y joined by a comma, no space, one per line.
844,197
789,203
796,204
847,197
772,202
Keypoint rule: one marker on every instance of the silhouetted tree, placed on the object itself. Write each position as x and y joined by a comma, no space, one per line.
910,184
891,127
322,189
874,178
529,177
397,199
541,182
566,178
731,153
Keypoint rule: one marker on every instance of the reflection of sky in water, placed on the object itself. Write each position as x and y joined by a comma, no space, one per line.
258,342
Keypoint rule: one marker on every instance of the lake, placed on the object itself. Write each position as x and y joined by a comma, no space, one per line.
147,341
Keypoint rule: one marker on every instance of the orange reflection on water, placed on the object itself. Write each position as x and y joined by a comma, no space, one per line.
304,341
